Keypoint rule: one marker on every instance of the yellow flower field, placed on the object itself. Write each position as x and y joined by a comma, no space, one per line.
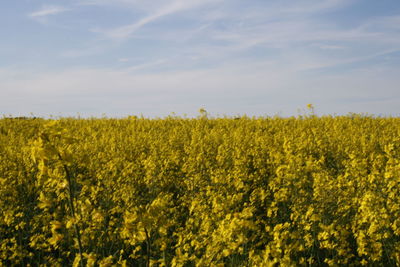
300,191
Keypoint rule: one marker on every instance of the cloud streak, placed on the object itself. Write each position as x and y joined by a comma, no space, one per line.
47,11
126,31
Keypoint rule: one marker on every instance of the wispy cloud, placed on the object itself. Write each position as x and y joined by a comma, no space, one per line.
227,32
145,66
229,55
48,10
124,32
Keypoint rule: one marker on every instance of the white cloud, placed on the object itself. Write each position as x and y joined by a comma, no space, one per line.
145,66
231,57
127,30
48,10
155,13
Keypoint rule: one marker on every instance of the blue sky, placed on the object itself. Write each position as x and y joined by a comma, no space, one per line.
254,57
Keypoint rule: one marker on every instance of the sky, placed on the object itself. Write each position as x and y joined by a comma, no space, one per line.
231,57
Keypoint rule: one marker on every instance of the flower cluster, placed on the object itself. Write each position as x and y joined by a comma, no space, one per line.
200,192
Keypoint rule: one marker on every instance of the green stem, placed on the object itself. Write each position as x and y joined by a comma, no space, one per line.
148,248
70,202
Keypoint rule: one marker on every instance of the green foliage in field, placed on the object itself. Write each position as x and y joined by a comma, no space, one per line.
200,192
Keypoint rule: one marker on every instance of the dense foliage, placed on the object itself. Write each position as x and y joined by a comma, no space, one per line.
200,192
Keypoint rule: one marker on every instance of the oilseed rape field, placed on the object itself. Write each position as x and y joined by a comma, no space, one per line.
268,191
